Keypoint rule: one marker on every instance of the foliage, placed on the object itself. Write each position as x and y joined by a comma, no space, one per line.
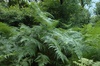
33,44
21,3
86,62
70,12
42,17
40,39
14,15
91,41
30,43
5,30
98,8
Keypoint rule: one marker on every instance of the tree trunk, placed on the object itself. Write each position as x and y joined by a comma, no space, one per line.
61,1
82,3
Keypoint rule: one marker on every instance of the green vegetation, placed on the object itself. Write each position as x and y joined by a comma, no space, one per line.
49,33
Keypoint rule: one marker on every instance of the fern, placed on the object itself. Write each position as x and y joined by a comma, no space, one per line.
91,41
42,60
42,44
46,45
64,43
30,42
5,29
42,17
86,62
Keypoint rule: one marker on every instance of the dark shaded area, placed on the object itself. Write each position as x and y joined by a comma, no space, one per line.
61,1
34,64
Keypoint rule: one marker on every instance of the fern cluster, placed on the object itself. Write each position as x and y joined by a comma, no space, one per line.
46,45
86,62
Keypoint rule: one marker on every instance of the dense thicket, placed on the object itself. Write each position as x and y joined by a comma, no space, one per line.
49,33
69,12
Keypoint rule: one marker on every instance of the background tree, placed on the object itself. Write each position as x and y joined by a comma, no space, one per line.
67,12
97,8
85,2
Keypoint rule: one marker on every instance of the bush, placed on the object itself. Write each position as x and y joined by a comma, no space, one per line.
14,15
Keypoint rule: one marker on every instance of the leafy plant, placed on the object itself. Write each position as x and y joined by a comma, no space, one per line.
14,15
33,44
69,14
86,62
5,30
42,42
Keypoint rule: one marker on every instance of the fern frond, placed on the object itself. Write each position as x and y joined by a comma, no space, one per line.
42,59
5,29
42,17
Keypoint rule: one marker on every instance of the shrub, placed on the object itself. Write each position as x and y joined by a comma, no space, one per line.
14,15
5,30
